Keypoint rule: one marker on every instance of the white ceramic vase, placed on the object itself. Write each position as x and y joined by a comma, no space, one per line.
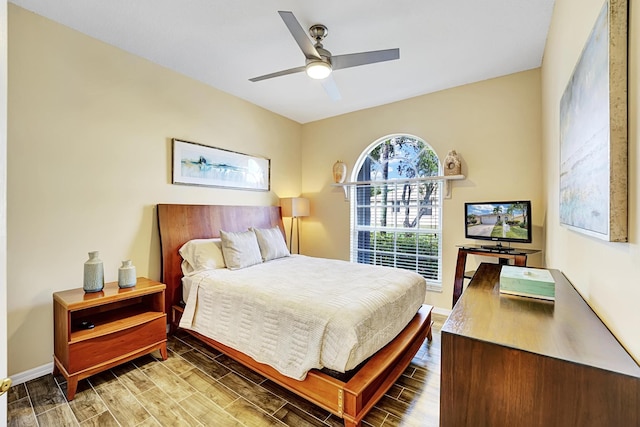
93,273
339,172
126,275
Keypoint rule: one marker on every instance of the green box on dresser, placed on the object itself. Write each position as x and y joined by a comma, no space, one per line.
527,282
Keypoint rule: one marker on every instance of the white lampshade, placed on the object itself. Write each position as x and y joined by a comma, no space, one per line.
318,70
294,207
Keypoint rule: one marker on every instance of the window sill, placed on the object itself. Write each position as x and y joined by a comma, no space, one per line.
434,288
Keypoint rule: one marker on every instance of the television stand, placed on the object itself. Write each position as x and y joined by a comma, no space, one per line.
504,255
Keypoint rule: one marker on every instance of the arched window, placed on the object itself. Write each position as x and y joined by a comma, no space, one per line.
395,213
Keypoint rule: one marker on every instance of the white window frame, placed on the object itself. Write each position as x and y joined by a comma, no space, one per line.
396,185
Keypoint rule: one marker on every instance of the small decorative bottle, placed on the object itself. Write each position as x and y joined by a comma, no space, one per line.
93,273
339,172
126,275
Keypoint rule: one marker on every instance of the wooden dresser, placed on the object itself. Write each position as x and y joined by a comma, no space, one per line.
514,361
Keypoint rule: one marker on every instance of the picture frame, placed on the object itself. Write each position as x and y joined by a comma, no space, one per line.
593,132
198,164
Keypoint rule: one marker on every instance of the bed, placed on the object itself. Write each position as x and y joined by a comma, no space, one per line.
349,397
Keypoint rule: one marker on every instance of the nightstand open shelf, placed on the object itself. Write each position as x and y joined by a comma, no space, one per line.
127,323
115,319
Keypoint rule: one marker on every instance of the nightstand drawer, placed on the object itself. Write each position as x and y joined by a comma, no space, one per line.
95,351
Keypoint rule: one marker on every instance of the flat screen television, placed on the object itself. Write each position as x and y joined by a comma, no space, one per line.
500,222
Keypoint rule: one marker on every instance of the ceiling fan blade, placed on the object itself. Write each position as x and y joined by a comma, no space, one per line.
355,59
278,74
299,35
330,86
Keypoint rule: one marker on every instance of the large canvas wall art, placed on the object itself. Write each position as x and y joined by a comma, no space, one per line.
196,164
593,132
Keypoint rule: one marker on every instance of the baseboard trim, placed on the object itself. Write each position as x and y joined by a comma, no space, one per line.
32,374
441,311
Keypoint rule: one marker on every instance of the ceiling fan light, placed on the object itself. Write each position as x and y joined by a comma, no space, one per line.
318,70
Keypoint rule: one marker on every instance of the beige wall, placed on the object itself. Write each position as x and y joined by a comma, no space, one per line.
89,157
495,127
606,274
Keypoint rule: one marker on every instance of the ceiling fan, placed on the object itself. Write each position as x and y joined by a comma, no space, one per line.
319,62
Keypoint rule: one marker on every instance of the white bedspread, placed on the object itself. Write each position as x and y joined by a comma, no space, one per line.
298,313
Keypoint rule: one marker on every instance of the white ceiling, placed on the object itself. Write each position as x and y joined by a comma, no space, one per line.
443,44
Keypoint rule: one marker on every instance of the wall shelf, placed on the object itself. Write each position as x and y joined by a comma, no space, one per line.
445,179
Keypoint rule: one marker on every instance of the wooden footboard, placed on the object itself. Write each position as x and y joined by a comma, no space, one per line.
350,400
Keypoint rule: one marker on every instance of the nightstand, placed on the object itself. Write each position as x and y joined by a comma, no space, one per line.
95,331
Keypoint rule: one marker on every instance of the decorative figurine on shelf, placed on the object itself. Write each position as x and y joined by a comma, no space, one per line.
126,275
452,164
93,273
339,172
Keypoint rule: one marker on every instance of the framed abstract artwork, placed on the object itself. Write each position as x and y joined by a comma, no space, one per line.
197,164
593,132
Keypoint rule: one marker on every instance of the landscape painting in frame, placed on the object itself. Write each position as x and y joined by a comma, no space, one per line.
197,164
593,132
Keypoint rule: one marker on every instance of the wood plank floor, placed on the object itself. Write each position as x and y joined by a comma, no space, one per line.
198,387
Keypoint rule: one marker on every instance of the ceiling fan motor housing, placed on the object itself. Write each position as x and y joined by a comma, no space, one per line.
322,67
325,55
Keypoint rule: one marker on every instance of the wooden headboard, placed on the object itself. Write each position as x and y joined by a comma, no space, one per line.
180,223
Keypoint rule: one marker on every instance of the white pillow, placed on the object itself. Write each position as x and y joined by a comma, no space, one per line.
201,254
240,249
271,243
